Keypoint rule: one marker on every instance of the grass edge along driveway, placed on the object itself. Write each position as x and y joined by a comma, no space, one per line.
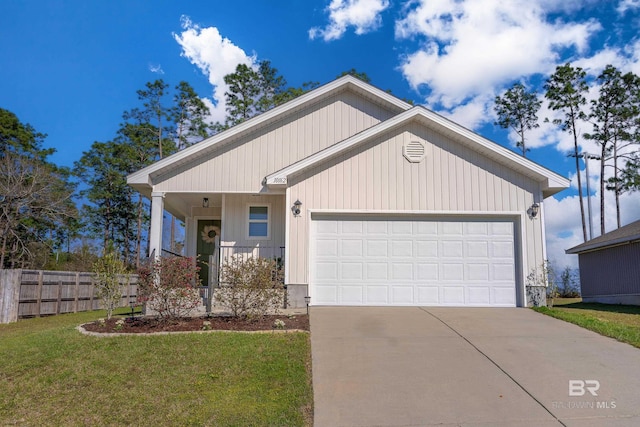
621,322
52,375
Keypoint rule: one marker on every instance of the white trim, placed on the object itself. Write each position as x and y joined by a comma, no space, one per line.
156,226
143,176
544,229
287,234
516,217
416,212
248,221
222,218
549,180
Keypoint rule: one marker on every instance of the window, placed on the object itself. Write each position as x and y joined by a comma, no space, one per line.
258,226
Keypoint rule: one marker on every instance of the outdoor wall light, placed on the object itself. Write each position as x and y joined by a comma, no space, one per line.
205,202
534,209
296,207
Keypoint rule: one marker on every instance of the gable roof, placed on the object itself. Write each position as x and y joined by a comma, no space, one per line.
142,179
551,182
628,234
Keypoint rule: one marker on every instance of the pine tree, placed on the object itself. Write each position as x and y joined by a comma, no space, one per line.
518,109
565,90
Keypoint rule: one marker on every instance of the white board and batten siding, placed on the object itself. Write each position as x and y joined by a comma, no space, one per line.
242,164
452,179
412,260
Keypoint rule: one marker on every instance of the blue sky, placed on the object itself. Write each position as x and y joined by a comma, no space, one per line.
70,68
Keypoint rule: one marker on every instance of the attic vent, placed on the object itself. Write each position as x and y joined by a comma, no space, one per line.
414,151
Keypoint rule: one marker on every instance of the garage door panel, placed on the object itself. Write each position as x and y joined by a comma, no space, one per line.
503,272
327,247
351,247
327,226
502,249
446,228
409,261
401,227
503,296
401,271
452,295
476,229
402,294
376,227
451,248
377,248
377,294
351,227
325,294
429,228
377,271
478,295
427,248
327,271
452,271
477,249
402,248
428,295
477,272
427,271
351,294
503,228
351,271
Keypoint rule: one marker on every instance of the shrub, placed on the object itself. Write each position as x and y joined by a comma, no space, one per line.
169,286
569,286
544,276
108,271
251,287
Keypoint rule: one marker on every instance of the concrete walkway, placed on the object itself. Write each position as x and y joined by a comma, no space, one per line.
418,366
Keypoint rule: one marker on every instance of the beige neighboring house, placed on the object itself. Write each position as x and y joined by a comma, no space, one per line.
365,199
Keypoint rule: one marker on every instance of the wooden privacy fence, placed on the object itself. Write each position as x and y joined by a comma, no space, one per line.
32,293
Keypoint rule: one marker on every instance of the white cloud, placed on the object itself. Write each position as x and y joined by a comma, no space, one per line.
364,15
472,47
473,113
157,69
625,5
563,225
563,229
215,55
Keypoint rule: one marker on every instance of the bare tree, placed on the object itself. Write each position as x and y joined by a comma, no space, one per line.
34,199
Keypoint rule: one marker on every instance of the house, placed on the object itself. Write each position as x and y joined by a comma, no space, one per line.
610,266
367,199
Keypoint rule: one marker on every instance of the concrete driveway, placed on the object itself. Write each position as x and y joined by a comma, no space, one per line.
420,366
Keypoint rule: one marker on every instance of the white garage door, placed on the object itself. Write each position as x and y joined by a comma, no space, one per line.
412,261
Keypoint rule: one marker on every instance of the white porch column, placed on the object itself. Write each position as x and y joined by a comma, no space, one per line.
155,233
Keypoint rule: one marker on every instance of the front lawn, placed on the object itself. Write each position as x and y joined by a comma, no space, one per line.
50,374
621,322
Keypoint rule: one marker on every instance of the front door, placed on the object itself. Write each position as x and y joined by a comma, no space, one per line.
208,229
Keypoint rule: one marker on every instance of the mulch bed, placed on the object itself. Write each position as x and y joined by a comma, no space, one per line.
141,325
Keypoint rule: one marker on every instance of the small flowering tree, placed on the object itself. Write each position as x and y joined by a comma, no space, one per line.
169,286
544,277
108,270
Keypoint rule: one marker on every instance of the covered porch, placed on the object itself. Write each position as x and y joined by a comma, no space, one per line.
218,226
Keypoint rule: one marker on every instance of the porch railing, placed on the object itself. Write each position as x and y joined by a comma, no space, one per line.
225,253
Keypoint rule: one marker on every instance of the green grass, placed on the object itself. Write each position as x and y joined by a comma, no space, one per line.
50,374
621,322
